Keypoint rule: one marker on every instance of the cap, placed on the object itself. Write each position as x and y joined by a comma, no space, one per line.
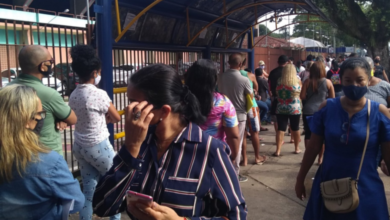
261,63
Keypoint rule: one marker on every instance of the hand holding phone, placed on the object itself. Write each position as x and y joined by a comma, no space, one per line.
134,197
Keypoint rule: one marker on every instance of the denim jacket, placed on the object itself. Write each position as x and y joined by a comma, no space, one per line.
41,191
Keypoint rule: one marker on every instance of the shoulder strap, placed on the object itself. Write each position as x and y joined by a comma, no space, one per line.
365,144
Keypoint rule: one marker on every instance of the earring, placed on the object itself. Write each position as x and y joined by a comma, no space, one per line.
160,119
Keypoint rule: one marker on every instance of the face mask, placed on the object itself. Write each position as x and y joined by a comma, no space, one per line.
377,61
262,67
45,73
39,126
97,80
355,92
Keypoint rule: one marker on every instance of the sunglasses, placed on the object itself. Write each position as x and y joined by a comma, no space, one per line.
42,114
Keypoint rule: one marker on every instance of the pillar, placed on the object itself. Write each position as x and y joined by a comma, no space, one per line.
104,46
251,54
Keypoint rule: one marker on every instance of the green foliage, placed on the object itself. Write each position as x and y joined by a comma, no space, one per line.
264,30
306,30
365,20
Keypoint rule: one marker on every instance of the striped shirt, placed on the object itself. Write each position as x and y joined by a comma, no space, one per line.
195,177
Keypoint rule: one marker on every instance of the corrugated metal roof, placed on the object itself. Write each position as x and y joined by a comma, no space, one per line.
167,21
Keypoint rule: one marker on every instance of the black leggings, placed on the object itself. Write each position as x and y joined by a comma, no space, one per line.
306,127
283,121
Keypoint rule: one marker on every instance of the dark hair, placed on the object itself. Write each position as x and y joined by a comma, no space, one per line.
201,79
291,59
335,65
282,59
258,72
353,55
309,57
161,85
85,61
353,63
298,64
248,70
317,72
327,59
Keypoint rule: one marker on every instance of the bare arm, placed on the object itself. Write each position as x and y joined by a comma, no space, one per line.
252,77
331,93
71,119
266,75
232,139
304,89
312,150
113,114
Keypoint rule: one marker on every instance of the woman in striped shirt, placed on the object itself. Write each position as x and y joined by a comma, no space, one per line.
168,157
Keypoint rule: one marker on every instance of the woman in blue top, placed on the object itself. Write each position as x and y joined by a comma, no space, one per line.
341,124
35,182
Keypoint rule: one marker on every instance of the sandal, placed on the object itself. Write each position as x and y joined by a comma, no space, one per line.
263,129
276,155
297,152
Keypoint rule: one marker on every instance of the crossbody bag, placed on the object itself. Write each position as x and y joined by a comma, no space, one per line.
341,195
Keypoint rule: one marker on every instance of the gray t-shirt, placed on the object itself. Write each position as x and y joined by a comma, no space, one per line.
379,93
235,86
314,99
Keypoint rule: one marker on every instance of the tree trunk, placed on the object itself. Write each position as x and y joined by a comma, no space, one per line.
383,52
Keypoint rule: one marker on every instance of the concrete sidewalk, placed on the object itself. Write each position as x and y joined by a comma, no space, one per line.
269,192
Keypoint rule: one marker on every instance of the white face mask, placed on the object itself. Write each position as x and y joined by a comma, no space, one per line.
97,80
262,67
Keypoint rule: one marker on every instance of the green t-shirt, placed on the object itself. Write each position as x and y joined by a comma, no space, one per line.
56,110
245,73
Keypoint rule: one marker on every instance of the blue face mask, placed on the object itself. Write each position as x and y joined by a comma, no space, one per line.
355,92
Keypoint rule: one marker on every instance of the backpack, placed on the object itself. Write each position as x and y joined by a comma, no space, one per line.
335,77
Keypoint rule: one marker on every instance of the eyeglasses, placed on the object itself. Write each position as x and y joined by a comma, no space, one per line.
344,137
42,114
52,61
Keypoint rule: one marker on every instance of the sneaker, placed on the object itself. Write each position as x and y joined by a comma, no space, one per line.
242,178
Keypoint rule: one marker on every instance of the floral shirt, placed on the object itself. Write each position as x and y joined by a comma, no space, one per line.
223,114
289,102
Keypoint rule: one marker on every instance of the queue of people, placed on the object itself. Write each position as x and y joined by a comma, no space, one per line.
185,143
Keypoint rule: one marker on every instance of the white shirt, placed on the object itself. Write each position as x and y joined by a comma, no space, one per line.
90,105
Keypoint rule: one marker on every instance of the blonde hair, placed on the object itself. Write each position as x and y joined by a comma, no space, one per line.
18,144
289,76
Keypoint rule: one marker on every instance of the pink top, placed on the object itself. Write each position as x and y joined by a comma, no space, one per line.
223,114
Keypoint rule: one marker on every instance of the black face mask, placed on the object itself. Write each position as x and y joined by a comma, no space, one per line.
45,73
39,126
377,61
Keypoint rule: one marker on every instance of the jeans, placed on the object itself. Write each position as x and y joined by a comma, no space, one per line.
94,163
264,109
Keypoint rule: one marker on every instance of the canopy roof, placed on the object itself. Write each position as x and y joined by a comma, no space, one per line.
307,42
166,22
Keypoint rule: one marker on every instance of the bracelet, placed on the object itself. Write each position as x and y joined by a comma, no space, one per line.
185,218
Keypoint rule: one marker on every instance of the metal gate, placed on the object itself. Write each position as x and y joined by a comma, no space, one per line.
58,39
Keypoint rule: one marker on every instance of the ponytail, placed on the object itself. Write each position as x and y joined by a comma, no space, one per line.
192,111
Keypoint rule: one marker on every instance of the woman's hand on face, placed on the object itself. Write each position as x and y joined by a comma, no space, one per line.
300,190
137,120
156,212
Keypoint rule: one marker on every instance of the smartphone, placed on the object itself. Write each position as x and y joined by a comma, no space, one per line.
132,196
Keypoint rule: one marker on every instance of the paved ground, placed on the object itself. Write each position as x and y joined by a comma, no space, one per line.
269,192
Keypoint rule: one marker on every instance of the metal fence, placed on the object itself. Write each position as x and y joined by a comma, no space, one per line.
14,35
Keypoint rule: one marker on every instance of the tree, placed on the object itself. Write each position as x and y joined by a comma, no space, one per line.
325,32
264,30
366,20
